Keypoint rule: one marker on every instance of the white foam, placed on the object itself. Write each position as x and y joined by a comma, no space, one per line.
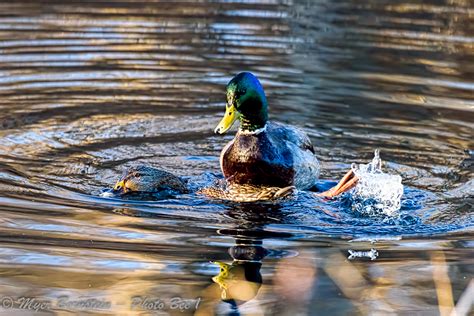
107,194
376,192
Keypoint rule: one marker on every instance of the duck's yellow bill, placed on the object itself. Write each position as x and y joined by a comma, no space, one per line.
230,116
119,185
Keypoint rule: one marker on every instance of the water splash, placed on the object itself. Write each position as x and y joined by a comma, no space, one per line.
376,192
372,254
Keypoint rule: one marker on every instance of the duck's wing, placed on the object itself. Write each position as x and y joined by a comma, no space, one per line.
295,143
291,134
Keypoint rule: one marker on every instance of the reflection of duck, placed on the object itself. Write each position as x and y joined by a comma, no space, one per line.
240,280
264,160
237,282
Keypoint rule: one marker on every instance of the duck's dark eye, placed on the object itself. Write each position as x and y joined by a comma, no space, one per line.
137,175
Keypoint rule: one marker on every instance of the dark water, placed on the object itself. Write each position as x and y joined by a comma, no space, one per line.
89,88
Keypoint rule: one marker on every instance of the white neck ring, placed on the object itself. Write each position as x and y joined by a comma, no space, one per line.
255,132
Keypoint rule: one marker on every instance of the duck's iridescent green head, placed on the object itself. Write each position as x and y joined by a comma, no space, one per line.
246,101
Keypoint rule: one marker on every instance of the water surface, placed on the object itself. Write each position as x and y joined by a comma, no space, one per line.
88,89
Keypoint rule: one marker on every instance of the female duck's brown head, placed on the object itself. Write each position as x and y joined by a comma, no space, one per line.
149,179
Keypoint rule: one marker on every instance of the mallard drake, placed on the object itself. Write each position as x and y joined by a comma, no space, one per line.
265,153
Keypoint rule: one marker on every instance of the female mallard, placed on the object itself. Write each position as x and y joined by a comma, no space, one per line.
149,180
263,153
145,179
